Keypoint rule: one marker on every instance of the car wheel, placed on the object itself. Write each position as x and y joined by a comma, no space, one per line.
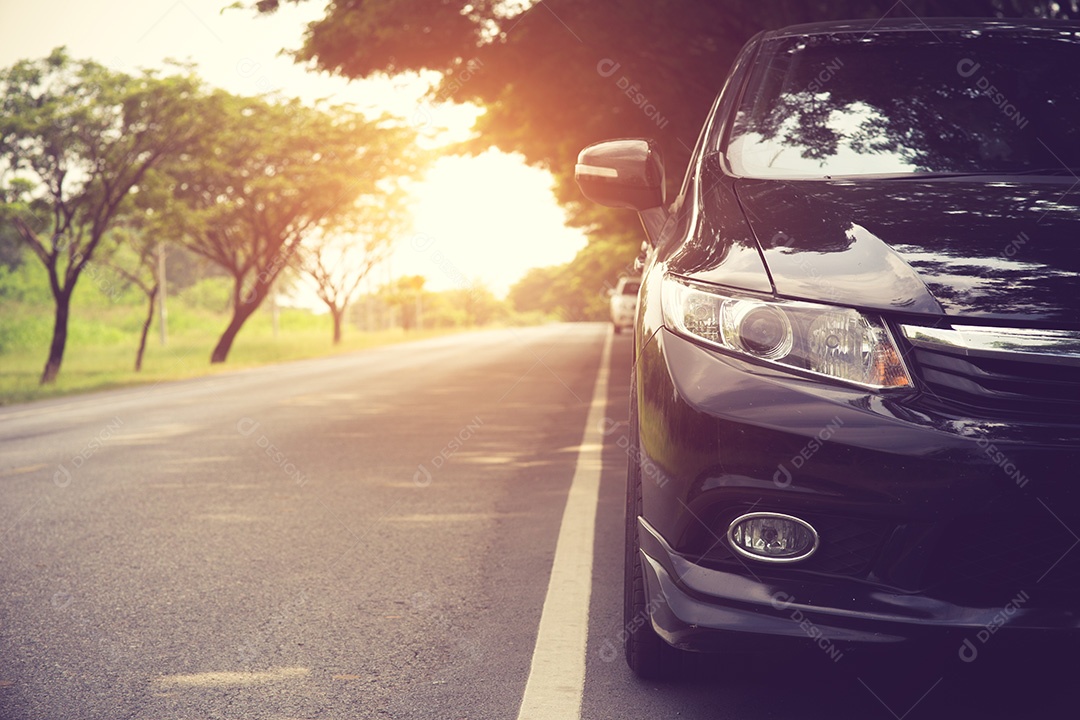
646,653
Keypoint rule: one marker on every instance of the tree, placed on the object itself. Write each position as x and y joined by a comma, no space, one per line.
473,305
76,139
135,257
269,175
557,75
480,304
533,292
579,289
339,262
406,293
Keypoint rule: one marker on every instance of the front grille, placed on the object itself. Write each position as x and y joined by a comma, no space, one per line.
996,371
994,384
847,546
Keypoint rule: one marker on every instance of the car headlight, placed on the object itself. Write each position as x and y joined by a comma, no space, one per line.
836,342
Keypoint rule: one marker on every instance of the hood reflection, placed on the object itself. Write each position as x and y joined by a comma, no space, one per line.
1002,250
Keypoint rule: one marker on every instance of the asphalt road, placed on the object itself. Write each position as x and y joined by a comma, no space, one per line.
371,536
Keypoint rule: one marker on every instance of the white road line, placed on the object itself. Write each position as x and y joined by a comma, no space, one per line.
557,676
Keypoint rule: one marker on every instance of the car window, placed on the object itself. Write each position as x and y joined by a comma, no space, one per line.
947,101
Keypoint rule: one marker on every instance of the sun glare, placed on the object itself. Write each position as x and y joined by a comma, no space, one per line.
485,219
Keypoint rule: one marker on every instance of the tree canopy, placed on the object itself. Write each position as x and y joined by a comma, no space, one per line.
551,74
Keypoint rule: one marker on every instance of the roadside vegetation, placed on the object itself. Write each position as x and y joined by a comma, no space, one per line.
108,316
105,172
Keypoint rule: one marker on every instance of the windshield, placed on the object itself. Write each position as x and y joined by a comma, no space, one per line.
991,101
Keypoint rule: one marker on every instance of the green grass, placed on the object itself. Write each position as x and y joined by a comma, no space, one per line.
103,333
103,337
99,366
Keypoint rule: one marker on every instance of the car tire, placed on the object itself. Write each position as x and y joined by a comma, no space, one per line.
649,657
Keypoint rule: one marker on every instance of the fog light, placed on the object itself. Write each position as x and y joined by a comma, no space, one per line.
772,537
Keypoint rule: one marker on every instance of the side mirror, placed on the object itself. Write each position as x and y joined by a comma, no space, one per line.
622,173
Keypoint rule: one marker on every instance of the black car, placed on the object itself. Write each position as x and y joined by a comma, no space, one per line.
855,411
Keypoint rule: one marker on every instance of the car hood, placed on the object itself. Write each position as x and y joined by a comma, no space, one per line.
995,250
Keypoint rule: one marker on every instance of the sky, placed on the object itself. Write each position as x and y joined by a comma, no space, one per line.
486,219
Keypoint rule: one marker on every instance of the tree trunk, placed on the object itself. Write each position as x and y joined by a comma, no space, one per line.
59,338
337,315
152,295
244,306
221,350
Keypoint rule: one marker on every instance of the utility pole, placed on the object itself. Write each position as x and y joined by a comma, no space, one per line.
274,309
163,314
369,305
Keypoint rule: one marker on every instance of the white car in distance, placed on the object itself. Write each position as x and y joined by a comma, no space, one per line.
624,297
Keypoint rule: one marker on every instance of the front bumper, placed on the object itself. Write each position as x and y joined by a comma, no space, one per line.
926,531
702,609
